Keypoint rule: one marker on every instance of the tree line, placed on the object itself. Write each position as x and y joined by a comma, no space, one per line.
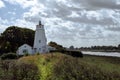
98,48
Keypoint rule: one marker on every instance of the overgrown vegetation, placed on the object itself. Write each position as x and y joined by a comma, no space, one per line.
9,56
76,69
15,70
57,66
68,52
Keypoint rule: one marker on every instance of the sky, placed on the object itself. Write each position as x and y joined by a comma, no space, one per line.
80,23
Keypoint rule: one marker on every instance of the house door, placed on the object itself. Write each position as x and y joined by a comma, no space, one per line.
25,51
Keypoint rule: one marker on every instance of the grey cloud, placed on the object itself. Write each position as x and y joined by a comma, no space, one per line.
98,4
32,19
63,33
84,19
55,15
114,29
111,4
78,32
55,9
62,11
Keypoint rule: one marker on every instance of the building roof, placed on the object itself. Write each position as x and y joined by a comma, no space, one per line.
25,45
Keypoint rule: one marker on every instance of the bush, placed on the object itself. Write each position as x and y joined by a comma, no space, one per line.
37,53
71,53
9,56
13,70
26,54
74,53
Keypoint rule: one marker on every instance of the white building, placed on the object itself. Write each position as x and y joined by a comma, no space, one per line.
40,43
25,48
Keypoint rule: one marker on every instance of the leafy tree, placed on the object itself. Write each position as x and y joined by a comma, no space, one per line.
119,46
13,37
55,45
71,47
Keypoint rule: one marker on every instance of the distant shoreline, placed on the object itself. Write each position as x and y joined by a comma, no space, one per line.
113,54
101,56
100,51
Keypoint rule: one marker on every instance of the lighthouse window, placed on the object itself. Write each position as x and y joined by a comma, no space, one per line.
39,49
39,41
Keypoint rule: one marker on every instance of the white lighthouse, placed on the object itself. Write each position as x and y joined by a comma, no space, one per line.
40,41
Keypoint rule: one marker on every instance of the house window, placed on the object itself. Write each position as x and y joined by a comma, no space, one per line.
39,49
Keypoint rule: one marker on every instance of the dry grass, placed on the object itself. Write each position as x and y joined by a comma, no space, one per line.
57,66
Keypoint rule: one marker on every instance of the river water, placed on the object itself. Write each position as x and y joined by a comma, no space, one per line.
113,54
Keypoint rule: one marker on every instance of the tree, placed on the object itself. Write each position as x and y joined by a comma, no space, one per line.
119,46
71,47
55,45
13,37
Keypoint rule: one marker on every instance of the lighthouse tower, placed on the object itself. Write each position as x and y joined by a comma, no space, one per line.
40,41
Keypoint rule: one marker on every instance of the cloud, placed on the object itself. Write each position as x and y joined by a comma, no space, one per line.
69,12
2,4
3,24
81,10
72,20
23,3
113,28
98,4
61,15
12,13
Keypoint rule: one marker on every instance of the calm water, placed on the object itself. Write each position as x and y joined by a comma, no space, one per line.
114,54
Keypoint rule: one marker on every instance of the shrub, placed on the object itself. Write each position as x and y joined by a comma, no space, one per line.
9,56
74,53
26,54
37,53
71,53
13,70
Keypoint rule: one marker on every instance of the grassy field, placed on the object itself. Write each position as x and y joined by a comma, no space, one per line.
110,64
58,66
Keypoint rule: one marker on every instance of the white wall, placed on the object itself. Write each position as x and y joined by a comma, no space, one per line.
40,41
21,49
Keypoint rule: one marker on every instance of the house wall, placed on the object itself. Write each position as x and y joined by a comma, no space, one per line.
25,49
